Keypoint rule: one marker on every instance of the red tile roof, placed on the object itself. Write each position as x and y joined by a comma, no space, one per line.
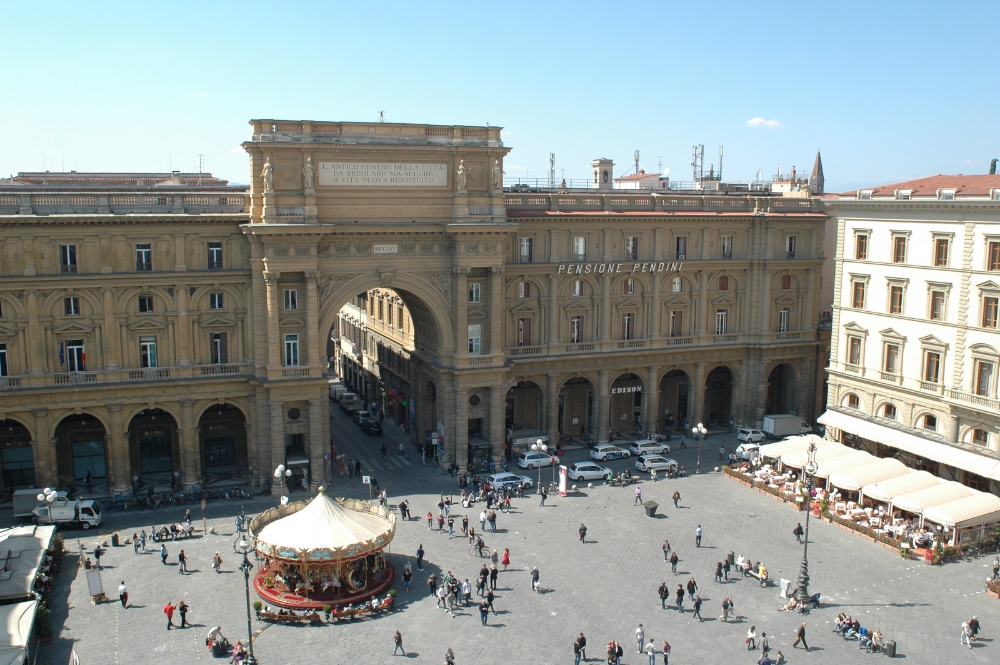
964,185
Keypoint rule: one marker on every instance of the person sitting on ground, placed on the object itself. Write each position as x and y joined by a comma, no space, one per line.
791,605
852,630
877,642
843,623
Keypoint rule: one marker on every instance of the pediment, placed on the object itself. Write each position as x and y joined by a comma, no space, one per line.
983,350
855,328
73,328
523,308
931,340
889,333
677,300
217,321
7,330
725,299
577,306
477,313
146,325
628,303
988,285
292,321
785,300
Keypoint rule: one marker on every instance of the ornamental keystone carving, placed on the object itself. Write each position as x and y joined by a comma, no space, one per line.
385,277
441,281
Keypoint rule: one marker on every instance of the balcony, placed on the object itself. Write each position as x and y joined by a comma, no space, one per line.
788,336
931,387
631,344
725,339
219,370
891,377
149,374
976,400
523,351
295,373
679,341
854,369
74,378
10,382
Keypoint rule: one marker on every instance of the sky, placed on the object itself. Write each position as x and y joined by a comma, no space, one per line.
887,90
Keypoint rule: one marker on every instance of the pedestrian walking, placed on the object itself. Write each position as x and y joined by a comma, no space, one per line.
638,496
534,579
722,453
663,592
98,553
697,536
492,519
577,650
432,584
142,539
442,595
482,520
697,607
163,553
692,587
182,563
673,562
217,563
440,523
718,571
583,533
449,657
493,577
467,590
451,527
484,611
490,597
397,639
679,597
652,474
974,626
543,494
407,576
135,543
494,558
183,608
797,532
123,593
751,640
430,520
666,551
676,498
357,468
420,557
640,638
465,525
996,567
666,652
800,636
168,609
506,558
583,646
651,651
727,606
764,646
726,566
966,634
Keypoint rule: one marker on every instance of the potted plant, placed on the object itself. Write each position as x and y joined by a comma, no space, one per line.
257,605
43,622
327,610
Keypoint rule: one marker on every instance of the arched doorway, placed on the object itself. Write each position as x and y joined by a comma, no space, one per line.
153,446
16,456
718,396
81,446
524,406
223,439
576,408
674,389
780,389
625,411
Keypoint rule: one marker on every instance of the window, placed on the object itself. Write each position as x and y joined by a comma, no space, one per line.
632,248
783,314
980,437
147,352
576,329
388,313
858,297
899,249
67,258
143,257
579,248
853,350
291,350
790,247
937,306
990,311
861,246
381,309
890,363
682,243
941,246
71,306
724,283
524,332
145,304
218,348
903,194
577,287
932,366
291,299
475,339
676,284
889,411
727,247
76,355
475,292
525,250
524,289
993,255
628,326
983,378
865,194
399,315
628,286
786,282
853,402
721,321
929,422
677,323
4,368
215,256
216,300
895,299
946,194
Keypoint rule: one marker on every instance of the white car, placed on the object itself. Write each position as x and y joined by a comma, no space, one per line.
587,471
606,451
658,462
511,480
747,451
533,458
648,447
750,435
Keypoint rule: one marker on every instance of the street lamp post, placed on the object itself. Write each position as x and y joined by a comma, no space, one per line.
243,546
542,448
802,594
699,432
287,473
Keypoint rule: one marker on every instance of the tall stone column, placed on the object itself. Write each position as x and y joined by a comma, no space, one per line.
697,409
273,327
701,318
461,436
654,307
119,467
496,423
318,441
183,327
277,445
650,406
35,334
43,449
552,412
461,310
603,407
315,359
110,337
605,325
553,328
497,314
190,457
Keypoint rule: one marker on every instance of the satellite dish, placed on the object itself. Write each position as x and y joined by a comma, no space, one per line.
666,172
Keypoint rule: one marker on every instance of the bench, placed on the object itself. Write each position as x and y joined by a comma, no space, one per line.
274,617
764,581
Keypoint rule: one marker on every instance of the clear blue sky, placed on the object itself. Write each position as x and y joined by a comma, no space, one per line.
887,90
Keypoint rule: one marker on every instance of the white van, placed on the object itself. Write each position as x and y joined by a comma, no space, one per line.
350,402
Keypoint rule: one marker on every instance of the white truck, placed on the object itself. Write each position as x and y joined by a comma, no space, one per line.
780,424
64,510
24,502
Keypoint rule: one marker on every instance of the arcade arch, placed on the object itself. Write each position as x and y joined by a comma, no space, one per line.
718,395
781,389
81,447
17,460
222,440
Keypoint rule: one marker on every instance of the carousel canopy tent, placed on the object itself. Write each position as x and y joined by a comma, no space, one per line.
980,508
854,459
854,478
887,490
919,501
824,451
790,445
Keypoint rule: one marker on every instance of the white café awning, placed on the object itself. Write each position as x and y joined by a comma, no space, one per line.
981,508
854,478
944,453
853,459
825,450
790,445
919,501
886,490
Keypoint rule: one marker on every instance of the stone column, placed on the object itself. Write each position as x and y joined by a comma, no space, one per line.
319,441
697,393
461,311
110,337
35,333
315,360
179,251
497,315
190,457
552,413
119,467
701,317
654,307
603,407
461,435
605,325
496,423
273,327
553,331
651,405
183,327
43,450
277,446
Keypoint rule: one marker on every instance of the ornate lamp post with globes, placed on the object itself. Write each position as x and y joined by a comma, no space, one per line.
541,448
802,594
699,432
244,546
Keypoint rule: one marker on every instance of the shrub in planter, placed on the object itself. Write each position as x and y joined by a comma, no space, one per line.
392,592
43,620
58,547
257,606
327,610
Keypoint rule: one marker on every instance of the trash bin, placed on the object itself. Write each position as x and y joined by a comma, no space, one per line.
890,648
650,507
731,558
114,540
786,588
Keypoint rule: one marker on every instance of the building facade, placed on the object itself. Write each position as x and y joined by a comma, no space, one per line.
177,331
914,354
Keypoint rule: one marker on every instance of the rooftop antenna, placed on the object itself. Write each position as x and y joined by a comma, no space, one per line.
635,156
659,163
720,162
201,162
552,169
697,161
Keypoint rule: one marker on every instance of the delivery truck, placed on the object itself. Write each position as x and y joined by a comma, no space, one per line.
72,512
25,501
779,425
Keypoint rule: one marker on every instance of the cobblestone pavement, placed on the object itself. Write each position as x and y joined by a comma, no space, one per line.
603,588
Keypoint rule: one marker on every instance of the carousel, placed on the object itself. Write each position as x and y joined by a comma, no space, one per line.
323,551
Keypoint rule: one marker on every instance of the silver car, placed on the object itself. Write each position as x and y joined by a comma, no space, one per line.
587,471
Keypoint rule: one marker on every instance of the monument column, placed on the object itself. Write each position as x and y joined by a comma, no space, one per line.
697,407
315,360
496,423
461,435
603,407
120,474
110,341
43,450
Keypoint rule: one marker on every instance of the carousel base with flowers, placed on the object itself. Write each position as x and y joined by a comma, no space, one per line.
324,551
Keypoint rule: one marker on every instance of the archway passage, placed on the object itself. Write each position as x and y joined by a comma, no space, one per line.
223,440
16,456
718,396
153,449
81,448
780,392
625,413
524,406
674,388
576,408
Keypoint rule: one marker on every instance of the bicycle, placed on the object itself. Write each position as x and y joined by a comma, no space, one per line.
481,552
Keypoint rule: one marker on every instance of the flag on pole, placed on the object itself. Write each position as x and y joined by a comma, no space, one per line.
62,353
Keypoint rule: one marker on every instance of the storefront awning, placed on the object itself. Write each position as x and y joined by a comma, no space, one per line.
854,459
854,478
919,501
790,445
944,453
825,450
980,508
886,490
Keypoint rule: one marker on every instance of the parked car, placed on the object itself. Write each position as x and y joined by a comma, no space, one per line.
371,427
658,462
511,480
648,447
606,451
361,416
747,451
750,435
587,471
532,458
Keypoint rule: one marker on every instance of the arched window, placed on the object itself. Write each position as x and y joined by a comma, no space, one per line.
786,282
929,422
980,436
853,402
889,411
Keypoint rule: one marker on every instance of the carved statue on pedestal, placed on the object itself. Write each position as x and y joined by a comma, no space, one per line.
308,174
497,176
267,173
460,176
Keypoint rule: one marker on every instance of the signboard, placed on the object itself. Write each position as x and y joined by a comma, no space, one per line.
94,583
618,268
385,248
366,480
382,174
563,479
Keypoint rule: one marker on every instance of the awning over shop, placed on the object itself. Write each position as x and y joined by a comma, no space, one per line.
855,458
825,450
980,508
887,490
919,501
944,453
17,620
854,478
789,445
